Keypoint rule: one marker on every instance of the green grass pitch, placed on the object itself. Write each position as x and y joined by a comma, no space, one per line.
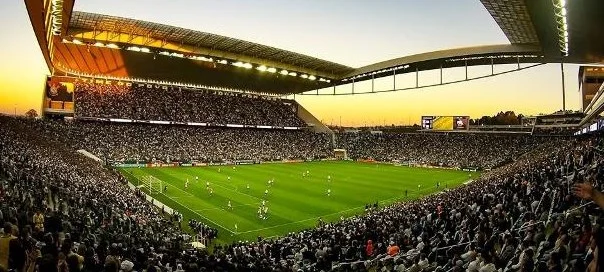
294,202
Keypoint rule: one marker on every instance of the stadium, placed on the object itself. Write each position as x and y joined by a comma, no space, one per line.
161,148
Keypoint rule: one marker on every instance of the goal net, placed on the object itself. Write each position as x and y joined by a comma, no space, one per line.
340,154
153,184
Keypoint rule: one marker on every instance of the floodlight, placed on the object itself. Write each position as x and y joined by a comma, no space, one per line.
304,76
113,45
284,72
311,77
145,50
134,48
292,74
247,66
76,41
261,68
100,44
271,70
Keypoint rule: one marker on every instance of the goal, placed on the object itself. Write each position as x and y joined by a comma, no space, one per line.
340,154
153,184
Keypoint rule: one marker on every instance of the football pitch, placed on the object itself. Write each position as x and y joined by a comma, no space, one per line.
294,201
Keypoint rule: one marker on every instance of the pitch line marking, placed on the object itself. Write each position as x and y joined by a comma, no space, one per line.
315,218
186,207
326,215
276,226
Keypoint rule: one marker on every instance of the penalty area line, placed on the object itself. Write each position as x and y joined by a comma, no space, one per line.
197,213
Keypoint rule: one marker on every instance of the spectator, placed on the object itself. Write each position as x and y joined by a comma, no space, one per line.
393,249
588,192
369,249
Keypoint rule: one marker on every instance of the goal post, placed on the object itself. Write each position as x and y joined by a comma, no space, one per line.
340,154
153,184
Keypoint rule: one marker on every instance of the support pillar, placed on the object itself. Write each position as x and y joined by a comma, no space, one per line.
563,87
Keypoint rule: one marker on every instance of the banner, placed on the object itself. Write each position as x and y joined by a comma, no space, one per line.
367,160
245,162
292,161
129,165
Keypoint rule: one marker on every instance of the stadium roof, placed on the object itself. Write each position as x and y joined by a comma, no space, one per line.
514,19
479,55
539,31
217,43
570,31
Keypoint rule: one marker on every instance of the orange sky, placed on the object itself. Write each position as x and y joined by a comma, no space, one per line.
529,92
533,91
22,67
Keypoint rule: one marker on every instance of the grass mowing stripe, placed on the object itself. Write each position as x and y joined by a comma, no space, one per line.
293,201
227,229
242,220
340,212
234,206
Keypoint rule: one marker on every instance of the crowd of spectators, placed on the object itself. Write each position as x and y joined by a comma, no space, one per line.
119,142
123,142
59,209
479,150
64,212
169,103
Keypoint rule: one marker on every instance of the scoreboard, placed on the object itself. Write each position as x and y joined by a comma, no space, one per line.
446,122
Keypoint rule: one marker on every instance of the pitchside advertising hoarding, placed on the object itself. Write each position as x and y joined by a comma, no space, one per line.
446,122
593,127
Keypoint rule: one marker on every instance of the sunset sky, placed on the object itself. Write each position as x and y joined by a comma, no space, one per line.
351,32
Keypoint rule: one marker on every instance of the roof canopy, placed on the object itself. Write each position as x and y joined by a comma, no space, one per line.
538,30
217,44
